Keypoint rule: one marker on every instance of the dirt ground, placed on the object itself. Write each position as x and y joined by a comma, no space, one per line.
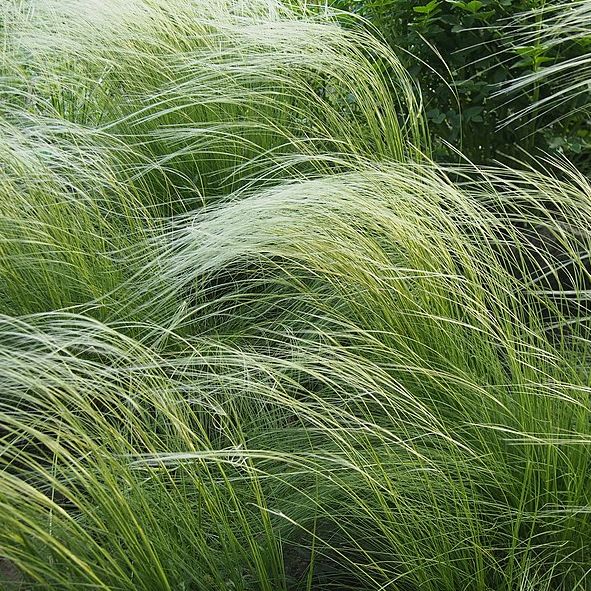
10,578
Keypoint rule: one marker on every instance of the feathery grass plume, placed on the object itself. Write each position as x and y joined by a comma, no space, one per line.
333,368
361,393
123,113
201,90
74,511
469,301
555,38
64,217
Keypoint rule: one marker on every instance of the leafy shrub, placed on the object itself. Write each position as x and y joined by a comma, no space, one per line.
462,54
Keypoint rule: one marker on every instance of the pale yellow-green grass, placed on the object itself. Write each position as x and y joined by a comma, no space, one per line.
252,339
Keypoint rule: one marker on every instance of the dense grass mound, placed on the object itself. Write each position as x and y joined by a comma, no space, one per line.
251,339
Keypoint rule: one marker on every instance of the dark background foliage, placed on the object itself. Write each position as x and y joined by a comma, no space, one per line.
462,52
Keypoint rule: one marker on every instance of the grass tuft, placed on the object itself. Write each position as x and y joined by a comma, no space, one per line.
251,338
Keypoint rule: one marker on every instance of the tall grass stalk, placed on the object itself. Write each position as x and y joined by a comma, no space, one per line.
548,35
252,339
139,110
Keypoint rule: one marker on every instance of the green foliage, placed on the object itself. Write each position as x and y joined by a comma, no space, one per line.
99,145
253,339
555,42
462,54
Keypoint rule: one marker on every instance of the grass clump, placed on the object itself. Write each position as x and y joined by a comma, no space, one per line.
251,338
